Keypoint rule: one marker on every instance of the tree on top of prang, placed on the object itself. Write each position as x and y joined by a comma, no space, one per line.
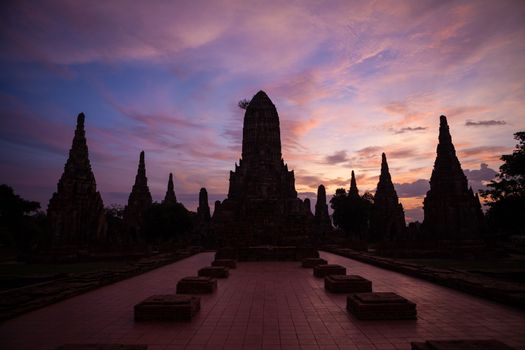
243,104
505,196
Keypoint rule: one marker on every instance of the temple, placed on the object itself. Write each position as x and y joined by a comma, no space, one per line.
262,205
353,192
321,208
203,210
138,202
75,211
451,209
387,219
170,197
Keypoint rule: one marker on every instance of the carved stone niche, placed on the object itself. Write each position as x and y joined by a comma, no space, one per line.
313,262
171,307
461,344
347,284
214,271
329,269
380,306
196,285
230,263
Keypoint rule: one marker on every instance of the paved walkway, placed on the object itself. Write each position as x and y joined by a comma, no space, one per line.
263,305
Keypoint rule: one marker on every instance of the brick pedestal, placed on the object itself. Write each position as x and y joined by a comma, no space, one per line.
380,306
347,284
172,307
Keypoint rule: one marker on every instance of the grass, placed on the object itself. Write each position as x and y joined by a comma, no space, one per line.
23,269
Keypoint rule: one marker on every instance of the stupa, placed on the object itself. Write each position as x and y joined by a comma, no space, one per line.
451,209
139,200
76,211
262,205
203,210
170,197
321,208
387,218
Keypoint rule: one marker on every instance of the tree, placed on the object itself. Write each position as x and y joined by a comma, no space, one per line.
115,222
351,213
505,196
166,222
243,104
22,226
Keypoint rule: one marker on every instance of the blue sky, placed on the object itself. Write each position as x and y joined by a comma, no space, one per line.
350,79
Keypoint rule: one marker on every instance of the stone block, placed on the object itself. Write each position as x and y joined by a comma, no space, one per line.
171,307
380,306
312,262
347,284
461,344
196,285
329,269
229,263
214,271
102,347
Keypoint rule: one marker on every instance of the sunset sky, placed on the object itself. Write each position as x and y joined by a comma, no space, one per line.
350,79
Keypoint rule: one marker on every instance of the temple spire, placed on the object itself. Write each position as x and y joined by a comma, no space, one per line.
203,211
385,178
68,213
261,142
140,178
451,209
262,205
444,132
354,191
387,220
139,201
321,208
170,193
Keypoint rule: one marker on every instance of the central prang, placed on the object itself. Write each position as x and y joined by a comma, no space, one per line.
262,205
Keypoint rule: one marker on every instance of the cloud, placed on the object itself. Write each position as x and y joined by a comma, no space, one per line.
336,158
485,123
413,189
407,129
483,152
415,214
478,178
313,181
349,75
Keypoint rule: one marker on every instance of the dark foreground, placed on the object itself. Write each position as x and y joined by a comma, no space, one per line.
270,305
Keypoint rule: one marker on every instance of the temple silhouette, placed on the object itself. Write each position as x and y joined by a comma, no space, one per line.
262,206
452,210
75,211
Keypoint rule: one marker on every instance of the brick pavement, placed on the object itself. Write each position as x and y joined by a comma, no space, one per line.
264,305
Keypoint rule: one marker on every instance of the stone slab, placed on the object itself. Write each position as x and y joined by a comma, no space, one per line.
461,344
214,271
347,284
102,347
196,285
170,307
380,306
230,263
312,262
329,269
